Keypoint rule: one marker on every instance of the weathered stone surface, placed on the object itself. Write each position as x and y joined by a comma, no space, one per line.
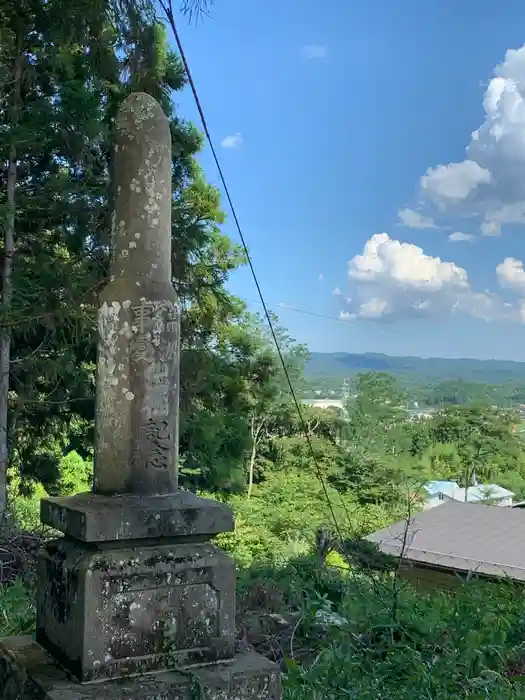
136,427
110,613
93,518
28,673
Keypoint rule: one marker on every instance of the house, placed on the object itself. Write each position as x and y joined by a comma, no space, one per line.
443,546
417,414
441,491
324,403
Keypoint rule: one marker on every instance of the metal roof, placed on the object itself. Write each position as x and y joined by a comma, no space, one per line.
465,537
480,492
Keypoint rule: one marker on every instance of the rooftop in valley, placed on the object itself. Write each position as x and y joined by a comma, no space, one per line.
464,537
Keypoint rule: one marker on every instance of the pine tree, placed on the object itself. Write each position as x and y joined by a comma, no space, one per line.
50,121
76,73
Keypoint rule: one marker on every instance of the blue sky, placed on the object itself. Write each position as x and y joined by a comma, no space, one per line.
345,131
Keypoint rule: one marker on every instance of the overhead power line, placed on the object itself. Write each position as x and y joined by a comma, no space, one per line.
167,8
308,312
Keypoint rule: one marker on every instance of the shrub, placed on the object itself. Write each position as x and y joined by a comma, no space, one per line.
280,520
24,503
17,609
24,511
75,475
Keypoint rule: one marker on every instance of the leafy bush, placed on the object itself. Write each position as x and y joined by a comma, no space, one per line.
24,510
282,517
355,637
75,475
438,646
24,499
250,544
17,609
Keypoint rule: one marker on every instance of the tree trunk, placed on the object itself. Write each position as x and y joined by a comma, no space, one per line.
468,477
256,434
251,467
7,289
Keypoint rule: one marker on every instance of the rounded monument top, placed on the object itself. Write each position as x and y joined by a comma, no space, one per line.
139,114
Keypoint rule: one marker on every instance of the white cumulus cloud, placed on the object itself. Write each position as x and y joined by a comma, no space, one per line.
346,316
312,51
511,274
455,181
403,264
392,280
414,219
233,141
490,182
458,237
374,308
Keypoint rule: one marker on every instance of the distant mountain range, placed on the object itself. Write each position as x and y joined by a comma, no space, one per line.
341,364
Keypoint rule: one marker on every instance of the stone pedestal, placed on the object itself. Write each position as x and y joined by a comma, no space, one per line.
135,602
119,612
136,586
28,673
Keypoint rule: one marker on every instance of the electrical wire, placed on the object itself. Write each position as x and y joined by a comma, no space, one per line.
316,314
168,10
306,312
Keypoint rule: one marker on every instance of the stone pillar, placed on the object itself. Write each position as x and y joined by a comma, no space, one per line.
136,586
136,443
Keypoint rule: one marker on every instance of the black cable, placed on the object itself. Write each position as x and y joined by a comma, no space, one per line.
316,314
168,10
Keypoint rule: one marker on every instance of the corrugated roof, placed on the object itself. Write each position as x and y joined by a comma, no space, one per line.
440,485
481,492
465,537
447,487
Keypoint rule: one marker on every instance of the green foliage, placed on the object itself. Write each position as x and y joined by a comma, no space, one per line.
477,441
376,414
74,476
17,609
336,560
348,643
24,509
442,460
295,453
292,506
416,370
440,647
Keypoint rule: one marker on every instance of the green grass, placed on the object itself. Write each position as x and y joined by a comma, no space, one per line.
466,644
17,610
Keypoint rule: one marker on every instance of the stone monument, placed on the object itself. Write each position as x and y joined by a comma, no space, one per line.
135,601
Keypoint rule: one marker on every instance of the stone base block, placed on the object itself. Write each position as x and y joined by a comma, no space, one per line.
106,613
94,518
27,672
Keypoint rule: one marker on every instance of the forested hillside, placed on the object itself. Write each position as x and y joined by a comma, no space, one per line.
415,369
306,484
429,382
